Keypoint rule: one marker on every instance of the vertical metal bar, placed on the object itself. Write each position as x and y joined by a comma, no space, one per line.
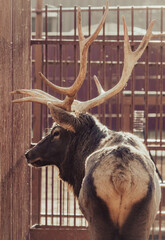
157,97
89,56
156,104
63,203
132,25
58,199
75,74
46,196
55,50
118,70
46,74
99,67
104,68
53,170
161,82
133,76
61,48
65,66
146,85
75,45
61,72
68,201
74,212
52,199
110,85
46,38
60,203
160,220
161,116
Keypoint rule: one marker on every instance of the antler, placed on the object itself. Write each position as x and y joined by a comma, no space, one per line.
69,103
70,92
130,59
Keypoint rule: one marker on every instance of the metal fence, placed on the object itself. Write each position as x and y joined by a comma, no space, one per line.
139,108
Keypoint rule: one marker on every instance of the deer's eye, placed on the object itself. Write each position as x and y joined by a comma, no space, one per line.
55,134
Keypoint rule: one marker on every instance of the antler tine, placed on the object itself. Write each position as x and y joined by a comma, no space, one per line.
98,85
130,59
45,101
36,95
31,99
84,45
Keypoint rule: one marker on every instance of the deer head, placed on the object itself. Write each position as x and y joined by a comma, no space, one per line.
60,108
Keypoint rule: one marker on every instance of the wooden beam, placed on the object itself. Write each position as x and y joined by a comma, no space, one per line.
21,77
59,233
140,100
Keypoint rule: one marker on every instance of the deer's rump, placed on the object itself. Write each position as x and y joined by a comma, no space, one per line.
123,189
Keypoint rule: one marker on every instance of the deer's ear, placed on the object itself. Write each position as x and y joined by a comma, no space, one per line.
65,119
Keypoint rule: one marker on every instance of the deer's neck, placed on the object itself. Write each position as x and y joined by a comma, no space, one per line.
87,141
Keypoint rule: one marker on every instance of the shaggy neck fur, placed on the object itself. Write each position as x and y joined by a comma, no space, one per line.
86,140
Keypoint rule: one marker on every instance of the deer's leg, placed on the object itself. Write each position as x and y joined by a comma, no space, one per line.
96,212
137,225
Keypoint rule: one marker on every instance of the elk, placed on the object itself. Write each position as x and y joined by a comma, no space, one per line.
111,173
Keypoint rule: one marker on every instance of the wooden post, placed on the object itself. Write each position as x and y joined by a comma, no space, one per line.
5,122
15,120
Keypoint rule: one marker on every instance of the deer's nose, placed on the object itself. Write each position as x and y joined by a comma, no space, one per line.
28,155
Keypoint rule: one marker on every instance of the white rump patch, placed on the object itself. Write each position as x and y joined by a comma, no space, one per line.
120,185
